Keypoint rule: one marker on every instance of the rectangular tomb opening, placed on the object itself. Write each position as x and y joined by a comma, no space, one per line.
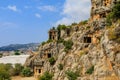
87,39
49,55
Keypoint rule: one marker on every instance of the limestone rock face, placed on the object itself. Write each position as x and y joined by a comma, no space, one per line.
93,55
100,9
103,54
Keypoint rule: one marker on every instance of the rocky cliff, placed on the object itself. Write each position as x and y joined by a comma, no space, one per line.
84,51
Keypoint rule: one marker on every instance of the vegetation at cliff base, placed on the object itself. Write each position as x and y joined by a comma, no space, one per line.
46,76
18,68
5,72
26,72
8,70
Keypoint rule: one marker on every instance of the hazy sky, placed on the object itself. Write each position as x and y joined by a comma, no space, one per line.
26,21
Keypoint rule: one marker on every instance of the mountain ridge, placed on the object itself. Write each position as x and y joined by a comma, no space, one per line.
13,47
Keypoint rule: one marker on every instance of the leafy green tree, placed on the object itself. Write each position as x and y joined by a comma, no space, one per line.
46,76
26,72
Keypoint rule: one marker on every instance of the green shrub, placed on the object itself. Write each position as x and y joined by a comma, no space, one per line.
111,35
60,40
61,27
114,34
60,66
84,22
48,41
26,72
114,15
4,75
1,55
43,43
88,27
72,75
109,19
52,60
90,70
68,45
18,68
82,52
46,76
116,11
4,72
73,24
17,52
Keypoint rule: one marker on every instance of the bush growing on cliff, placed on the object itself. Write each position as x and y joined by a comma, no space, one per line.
46,76
90,70
61,27
84,22
114,15
48,41
52,61
43,43
60,66
116,11
114,34
68,45
72,75
60,40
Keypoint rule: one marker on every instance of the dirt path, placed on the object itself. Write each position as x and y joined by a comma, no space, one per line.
23,78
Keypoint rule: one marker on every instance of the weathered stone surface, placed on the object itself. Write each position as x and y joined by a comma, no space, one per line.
100,52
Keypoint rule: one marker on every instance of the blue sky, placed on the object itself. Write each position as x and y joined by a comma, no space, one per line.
26,21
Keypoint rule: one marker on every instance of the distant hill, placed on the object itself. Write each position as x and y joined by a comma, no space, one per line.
13,47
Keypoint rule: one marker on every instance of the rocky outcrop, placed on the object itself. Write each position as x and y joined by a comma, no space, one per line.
93,55
103,54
